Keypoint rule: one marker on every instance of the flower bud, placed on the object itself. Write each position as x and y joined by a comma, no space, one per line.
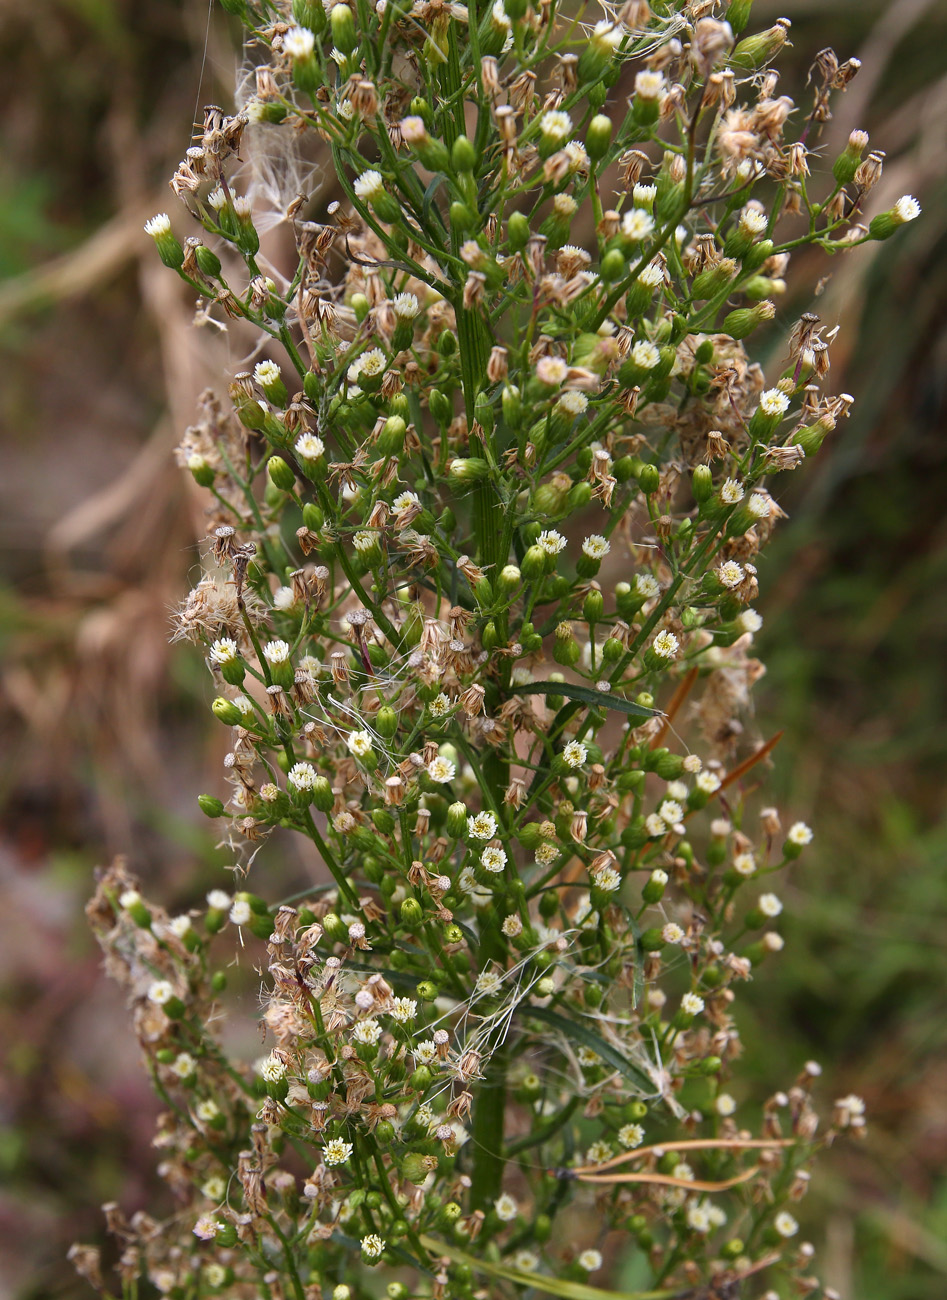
386,721
342,23
508,580
738,15
598,137
566,649
848,161
886,223
210,805
744,320
517,231
280,474
463,155
464,472
709,282
456,821
702,484
596,58
226,711
512,406
754,51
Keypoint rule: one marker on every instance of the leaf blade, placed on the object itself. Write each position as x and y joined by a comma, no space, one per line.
586,695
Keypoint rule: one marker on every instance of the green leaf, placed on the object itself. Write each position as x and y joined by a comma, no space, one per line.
574,1029
551,1285
586,695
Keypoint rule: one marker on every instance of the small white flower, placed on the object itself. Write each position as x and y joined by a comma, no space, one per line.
759,506
373,1246
644,194
665,645
158,225
284,598
441,770
218,899
483,826
299,43
672,933
573,402
493,859
404,500
599,1152
799,834
707,782
161,992
753,221
677,790
750,621
370,185
425,1053
309,446
671,811
276,652
590,1260
785,1224
770,905
506,1208
647,586
652,275
744,864
365,539
631,1136
731,492
272,1068
725,1105
512,926
649,85
266,373
907,208
367,1032
637,224
608,880
551,542
715,1214
692,763
439,706
525,1261
215,1188
240,912
179,925
692,1004
302,776
184,1065
207,1227
698,1219
359,743
207,1110
655,825
546,854
336,1152
130,898
730,574
575,753
645,354
488,983
224,650
405,306
556,126
404,1010
217,199
596,547
773,401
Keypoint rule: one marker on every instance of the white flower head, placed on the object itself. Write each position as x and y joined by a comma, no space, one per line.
573,402
272,1068
370,185
482,826
744,864
309,446
493,859
672,933
556,126
441,769
799,834
276,652
730,574
373,1246
336,1152
731,492
907,208
671,811
785,1224
488,983
404,1010
665,645
645,355
506,1208
299,43
590,1260
551,542
158,225
160,992
750,621
770,905
367,1032
637,224
596,547
646,585
575,753
405,306
649,85
219,899
359,743
725,1105
240,912
631,1136
692,1004
302,776
774,402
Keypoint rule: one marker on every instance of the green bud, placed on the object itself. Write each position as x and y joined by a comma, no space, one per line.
654,888
593,607
648,479
757,255
280,474
702,484
755,51
386,721
169,249
226,711
886,223
462,217
744,320
652,939
738,15
426,991
464,472
463,155
342,23
517,231
456,822
411,913
210,805
709,282
598,137
566,650
390,442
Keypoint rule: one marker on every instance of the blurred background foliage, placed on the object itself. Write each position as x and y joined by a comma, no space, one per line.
104,731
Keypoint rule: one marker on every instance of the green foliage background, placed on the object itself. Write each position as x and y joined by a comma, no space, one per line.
103,732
